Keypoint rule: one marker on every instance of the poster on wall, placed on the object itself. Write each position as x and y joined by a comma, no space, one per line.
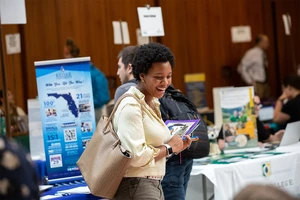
195,89
121,33
241,34
67,112
13,43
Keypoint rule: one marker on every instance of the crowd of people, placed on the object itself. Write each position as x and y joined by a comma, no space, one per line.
146,72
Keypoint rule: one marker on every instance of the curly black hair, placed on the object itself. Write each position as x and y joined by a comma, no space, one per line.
148,54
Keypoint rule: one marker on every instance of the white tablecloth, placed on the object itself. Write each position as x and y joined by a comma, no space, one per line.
282,171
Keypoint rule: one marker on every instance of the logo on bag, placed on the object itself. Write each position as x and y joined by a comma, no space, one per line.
266,169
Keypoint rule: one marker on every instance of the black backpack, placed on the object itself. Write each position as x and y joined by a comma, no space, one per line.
175,106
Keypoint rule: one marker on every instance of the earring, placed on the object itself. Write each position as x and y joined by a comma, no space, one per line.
143,80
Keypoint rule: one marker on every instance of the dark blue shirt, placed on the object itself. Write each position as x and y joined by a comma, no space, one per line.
18,180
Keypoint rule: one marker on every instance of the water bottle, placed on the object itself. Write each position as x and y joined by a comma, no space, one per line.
2,125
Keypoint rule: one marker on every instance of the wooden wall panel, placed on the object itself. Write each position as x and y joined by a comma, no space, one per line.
175,26
239,13
205,38
40,39
14,68
288,45
119,10
197,41
197,31
89,24
281,62
268,26
85,22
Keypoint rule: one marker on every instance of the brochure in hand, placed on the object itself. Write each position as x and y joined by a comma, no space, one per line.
182,127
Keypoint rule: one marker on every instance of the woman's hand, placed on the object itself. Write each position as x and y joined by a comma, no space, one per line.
282,97
278,135
178,144
187,142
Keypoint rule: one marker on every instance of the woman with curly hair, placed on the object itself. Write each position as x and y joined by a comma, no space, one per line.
140,127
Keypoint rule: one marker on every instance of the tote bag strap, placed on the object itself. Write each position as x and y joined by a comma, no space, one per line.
116,106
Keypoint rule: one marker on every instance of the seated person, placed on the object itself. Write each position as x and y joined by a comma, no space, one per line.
285,113
17,114
262,133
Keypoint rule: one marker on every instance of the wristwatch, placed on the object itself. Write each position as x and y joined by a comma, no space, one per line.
168,150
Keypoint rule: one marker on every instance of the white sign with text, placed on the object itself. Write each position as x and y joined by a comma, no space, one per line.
151,21
241,34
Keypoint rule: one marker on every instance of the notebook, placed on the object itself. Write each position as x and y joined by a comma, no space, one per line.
291,134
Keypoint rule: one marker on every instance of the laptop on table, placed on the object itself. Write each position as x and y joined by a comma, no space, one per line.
291,134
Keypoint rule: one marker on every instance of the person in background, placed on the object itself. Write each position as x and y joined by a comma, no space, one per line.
100,88
125,74
16,113
286,112
140,127
260,192
263,135
18,179
175,106
253,67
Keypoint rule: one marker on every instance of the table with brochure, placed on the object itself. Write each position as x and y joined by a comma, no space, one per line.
70,190
231,172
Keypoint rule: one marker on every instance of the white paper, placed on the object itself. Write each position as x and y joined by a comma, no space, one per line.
13,43
49,197
287,22
217,106
241,34
125,32
141,39
151,21
77,190
44,187
120,30
13,12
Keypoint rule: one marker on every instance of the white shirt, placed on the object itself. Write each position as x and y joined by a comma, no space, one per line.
139,130
252,67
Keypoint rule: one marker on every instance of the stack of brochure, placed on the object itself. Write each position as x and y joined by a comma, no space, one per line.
182,127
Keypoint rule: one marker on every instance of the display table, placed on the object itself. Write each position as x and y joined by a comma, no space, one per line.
278,170
49,194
